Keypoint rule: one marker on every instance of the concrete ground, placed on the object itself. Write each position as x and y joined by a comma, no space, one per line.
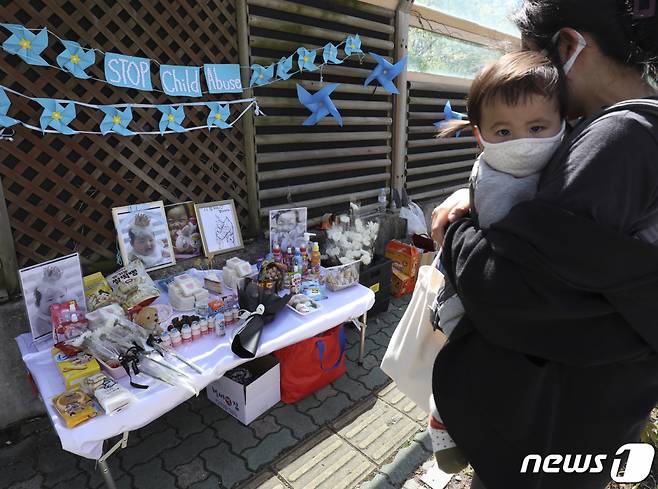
359,432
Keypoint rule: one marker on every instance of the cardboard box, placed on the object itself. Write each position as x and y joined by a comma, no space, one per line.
247,402
75,368
406,262
402,284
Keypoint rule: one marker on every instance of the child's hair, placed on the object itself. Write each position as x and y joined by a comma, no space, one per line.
141,226
513,78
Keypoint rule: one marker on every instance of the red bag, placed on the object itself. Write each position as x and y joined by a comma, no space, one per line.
311,364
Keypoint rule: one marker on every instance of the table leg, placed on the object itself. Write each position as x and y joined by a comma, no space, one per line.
362,330
107,475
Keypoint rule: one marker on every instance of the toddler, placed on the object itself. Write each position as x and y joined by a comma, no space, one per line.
145,246
516,108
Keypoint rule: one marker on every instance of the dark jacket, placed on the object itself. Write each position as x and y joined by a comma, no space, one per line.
557,352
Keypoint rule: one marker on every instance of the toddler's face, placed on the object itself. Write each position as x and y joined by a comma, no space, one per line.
286,222
177,218
532,117
144,244
50,296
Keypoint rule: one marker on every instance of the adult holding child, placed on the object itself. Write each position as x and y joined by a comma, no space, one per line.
556,354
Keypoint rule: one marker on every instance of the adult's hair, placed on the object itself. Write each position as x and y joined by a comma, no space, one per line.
625,30
512,79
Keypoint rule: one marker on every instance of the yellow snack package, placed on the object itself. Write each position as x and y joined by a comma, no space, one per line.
76,367
74,407
98,292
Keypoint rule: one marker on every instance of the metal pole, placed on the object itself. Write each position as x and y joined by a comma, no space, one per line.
362,330
400,106
248,128
8,263
107,475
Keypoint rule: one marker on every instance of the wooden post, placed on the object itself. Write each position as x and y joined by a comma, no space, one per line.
8,263
400,101
248,120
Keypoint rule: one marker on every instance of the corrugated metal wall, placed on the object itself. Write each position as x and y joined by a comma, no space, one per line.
321,167
435,166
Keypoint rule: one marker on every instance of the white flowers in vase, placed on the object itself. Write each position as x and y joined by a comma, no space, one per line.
347,243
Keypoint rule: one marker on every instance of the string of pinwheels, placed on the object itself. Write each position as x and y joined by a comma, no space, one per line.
58,114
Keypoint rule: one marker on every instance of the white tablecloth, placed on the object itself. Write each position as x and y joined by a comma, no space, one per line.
212,354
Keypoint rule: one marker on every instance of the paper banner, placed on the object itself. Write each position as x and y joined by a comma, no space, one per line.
128,71
180,80
224,78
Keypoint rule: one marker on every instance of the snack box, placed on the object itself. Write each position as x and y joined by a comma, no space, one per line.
402,284
75,368
405,257
74,407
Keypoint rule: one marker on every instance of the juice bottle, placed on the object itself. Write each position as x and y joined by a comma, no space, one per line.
315,259
276,252
305,260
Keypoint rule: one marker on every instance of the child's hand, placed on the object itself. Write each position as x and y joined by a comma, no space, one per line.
451,209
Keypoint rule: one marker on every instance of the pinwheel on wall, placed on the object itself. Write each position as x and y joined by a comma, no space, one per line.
116,120
261,75
76,60
353,45
56,115
319,104
26,44
218,115
385,72
171,118
5,120
283,67
330,54
305,59
450,115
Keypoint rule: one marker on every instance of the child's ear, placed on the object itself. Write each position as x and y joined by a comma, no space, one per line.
478,136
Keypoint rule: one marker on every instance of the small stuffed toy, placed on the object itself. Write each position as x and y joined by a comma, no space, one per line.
148,319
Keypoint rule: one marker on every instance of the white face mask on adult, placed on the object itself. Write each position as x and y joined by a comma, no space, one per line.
568,64
521,157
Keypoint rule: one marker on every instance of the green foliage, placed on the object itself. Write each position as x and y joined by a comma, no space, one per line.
442,55
491,14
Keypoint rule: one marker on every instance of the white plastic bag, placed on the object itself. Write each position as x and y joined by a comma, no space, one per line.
415,219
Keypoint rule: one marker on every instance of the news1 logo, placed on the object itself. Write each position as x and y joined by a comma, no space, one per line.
638,464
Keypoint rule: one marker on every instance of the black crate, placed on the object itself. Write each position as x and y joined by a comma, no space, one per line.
377,276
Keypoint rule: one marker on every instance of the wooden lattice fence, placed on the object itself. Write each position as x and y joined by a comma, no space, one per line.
60,189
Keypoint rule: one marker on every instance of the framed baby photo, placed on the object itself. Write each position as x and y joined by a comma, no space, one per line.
183,230
52,282
219,228
143,235
287,227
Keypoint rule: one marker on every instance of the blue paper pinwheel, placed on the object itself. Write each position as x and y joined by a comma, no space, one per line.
319,104
171,118
261,75
116,121
330,53
5,121
26,44
305,60
75,59
218,115
385,72
353,45
56,115
283,68
449,115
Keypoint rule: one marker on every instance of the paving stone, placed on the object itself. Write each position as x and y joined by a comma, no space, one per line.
307,403
197,403
35,482
423,437
212,413
228,467
55,464
94,471
211,482
380,481
238,436
78,481
352,388
392,395
300,424
264,425
148,448
267,480
382,338
414,483
154,427
185,421
268,449
21,450
405,463
324,461
151,475
352,353
191,473
330,408
20,470
432,475
325,393
376,429
378,353
189,448
375,378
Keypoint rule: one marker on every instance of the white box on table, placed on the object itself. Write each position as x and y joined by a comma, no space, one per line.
247,402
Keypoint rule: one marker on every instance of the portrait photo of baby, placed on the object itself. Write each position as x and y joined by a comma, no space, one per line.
53,282
287,227
183,230
144,235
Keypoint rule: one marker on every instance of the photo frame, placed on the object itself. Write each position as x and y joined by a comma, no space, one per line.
219,227
143,235
184,230
287,227
51,282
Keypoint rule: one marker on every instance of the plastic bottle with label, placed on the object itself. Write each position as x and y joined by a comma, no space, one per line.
316,257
